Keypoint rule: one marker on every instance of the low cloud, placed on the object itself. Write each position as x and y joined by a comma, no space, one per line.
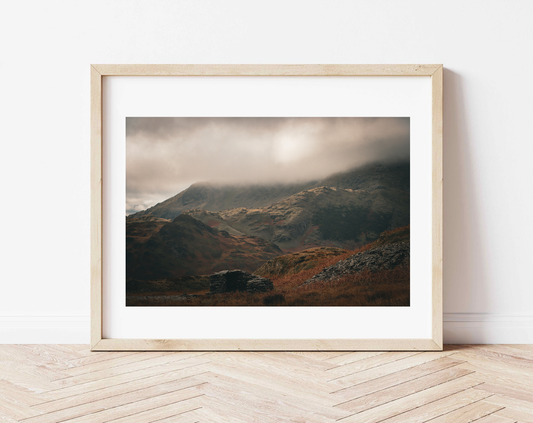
166,155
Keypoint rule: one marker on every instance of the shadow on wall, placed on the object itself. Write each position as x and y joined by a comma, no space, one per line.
465,282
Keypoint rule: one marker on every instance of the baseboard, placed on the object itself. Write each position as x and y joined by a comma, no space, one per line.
459,328
44,329
481,328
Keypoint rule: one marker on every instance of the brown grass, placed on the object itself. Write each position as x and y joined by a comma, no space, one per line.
299,278
385,288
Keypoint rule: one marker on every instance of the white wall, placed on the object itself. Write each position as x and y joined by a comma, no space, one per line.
45,52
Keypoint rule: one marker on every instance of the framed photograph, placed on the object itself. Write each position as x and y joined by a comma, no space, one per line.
266,207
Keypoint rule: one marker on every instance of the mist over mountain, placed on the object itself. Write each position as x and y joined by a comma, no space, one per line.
394,178
166,155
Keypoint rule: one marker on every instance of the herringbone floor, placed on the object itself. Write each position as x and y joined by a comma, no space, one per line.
67,383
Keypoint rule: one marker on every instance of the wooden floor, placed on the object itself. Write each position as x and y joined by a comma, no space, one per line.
57,383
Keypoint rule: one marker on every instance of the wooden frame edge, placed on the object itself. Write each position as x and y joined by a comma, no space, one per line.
96,207
100,344
266,70
266,345
437,193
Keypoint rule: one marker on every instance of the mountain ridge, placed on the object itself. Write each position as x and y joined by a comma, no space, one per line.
217,197
321,216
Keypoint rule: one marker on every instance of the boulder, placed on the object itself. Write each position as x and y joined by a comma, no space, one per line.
238,280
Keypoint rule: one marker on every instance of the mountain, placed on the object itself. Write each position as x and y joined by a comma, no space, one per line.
160,249
392,178
201,230
215,197
321,216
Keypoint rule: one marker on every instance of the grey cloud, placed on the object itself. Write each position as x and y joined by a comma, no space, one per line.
165,155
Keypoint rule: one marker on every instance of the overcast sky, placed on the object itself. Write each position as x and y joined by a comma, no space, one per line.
166,155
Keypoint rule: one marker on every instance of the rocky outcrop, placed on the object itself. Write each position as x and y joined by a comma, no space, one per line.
237,280
385,257
290,264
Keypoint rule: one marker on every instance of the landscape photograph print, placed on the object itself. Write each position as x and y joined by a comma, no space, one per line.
268,211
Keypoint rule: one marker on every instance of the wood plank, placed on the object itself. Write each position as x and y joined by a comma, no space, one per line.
17,393
402,390
266,400
377,372
49,366
515,391
187,376
394,379
49,357
269,366
139,410
29,377
271,379
96,358
495,418
351,357
496,372
286,359
111,362
367,363
469,413
173,410
513,408
315,355
189,416
440,407
523,347
103,404
515,415
187,368
7,419
506,351
497,357
15,409
405,404
147,362
216,410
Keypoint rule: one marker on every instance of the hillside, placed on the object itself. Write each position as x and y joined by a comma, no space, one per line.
314,260
392,178
383,257
322,216
214,197
142,228
290,264
376,274
186,247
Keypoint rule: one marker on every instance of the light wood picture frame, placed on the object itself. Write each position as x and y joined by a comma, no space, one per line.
98,72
